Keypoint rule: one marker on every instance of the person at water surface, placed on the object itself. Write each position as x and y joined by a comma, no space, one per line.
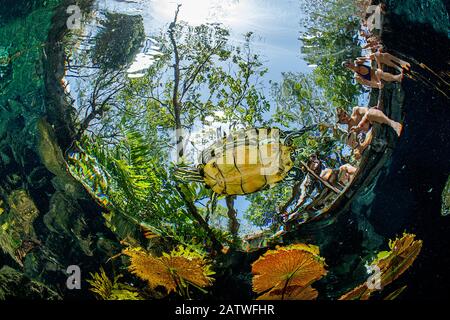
384,58
335,177
370,77
362,119
309,183
342,176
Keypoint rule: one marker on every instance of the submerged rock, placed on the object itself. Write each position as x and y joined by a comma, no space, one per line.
17,235
16,285
445,209
47,219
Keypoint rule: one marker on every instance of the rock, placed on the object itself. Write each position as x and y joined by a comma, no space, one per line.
49,151
64,218
17,235
15,285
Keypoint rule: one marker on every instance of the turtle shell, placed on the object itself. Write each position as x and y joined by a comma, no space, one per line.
246,162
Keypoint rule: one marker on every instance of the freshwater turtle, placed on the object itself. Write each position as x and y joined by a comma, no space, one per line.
245,161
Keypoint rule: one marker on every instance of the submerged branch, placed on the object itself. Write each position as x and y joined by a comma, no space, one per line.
176,71
198,217
233,223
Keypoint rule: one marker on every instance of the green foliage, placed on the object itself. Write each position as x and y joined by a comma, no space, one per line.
118,41
107,289
264,209
300,101
329,41
214,76
137,190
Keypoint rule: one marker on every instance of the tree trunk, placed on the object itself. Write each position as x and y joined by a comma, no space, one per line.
233,223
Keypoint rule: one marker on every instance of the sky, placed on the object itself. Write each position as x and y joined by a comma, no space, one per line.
274,23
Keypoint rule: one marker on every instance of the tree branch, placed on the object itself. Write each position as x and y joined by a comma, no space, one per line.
176,71
325,183
233,223
197,216
189,82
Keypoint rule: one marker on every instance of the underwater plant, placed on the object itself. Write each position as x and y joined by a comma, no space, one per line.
17,233
392,264
174,271
288,272
118,40
107,289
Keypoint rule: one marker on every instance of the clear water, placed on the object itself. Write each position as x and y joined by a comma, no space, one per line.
405,196
277,26
275,23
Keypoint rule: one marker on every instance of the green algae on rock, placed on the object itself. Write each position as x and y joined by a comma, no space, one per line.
14,284
47,219
17,235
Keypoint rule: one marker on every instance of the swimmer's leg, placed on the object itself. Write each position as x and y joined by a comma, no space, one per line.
377,116
389,77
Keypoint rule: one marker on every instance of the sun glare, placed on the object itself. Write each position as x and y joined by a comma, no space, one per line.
195,12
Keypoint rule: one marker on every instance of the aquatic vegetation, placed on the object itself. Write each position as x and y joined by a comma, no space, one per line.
395,262
17,234
131,182
392,264
107,289
85,169
291,293
174,271
118,41
288,272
